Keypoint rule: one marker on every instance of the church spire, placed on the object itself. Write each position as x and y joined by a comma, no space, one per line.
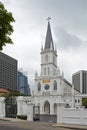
49,40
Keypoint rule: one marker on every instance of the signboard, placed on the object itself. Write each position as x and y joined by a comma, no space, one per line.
46,81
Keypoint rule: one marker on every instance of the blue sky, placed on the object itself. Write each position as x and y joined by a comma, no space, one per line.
69,30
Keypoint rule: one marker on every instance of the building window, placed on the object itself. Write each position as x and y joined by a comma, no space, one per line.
44,71
39,86
75,101
55,85
67,106
46,57
48,70
47,87
78,101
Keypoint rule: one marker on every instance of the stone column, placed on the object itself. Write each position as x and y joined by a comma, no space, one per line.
2,107
73,97
30,111
51,108
41,108
60,107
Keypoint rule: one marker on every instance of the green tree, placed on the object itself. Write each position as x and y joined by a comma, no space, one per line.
6,29
84,102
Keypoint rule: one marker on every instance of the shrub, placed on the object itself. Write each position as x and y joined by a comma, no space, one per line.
84,102
23,117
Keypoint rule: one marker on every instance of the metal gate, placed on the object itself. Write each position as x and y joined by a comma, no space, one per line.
36,113
11,107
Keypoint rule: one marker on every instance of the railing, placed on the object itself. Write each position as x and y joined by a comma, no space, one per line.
46,94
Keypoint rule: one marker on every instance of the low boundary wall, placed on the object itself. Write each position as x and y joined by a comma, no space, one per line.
74,116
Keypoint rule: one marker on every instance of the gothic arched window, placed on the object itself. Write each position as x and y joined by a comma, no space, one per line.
46,57
39,86
48,70
55,85
44,71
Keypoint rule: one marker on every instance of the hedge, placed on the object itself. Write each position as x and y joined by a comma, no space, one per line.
23,117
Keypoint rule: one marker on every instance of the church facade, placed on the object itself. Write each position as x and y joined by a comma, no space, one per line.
51,87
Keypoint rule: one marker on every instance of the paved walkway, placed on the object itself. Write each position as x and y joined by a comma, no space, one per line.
71,126
11,119
68,126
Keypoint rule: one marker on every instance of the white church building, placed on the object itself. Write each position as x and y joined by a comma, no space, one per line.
50,87
55,97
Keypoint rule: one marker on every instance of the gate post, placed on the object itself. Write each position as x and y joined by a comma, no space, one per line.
60,107
19,105
2,107
30,111
51,108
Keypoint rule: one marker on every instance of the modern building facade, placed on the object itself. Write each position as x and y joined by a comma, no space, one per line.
79,81
8,72
23,86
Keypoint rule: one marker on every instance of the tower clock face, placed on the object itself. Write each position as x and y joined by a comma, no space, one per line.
47,87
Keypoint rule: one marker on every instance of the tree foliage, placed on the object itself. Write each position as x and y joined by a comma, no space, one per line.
84,102
6,29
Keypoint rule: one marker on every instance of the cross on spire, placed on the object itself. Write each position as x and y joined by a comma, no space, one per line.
48,19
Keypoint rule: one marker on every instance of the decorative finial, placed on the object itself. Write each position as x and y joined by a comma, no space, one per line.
48,19
62,74
41,46
36,74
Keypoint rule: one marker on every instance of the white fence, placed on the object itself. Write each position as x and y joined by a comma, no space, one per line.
74,116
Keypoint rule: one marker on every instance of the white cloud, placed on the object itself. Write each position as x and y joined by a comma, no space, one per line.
66,40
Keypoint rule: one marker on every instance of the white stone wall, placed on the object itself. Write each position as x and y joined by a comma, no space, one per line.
2,107
71,115
30,111
22,105
25,107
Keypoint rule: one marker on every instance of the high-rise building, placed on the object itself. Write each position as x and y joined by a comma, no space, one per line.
8,72
79,80
23,86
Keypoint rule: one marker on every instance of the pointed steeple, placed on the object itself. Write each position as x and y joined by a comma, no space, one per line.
49,40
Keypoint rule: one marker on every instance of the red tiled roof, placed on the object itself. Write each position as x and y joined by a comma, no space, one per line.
2,90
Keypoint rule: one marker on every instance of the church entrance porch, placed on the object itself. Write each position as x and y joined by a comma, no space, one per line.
47,107
48,112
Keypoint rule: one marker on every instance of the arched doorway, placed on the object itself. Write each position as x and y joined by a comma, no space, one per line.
55,108
47,107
